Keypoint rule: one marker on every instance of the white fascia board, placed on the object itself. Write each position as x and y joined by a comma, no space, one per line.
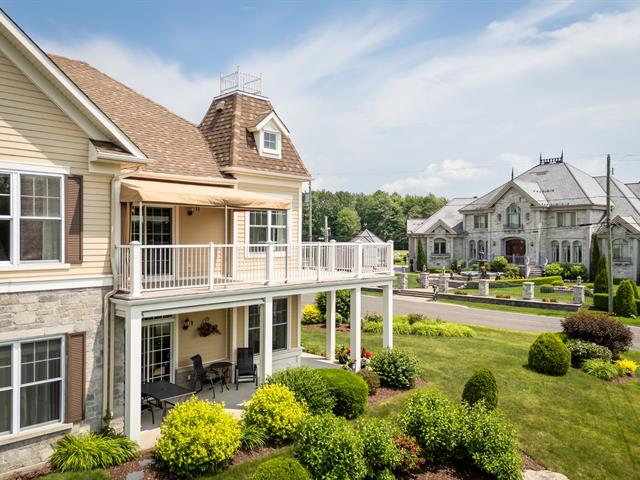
273,116
41,58
96,156
264,174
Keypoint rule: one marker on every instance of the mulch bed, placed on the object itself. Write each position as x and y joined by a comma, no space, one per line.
623,380
383,393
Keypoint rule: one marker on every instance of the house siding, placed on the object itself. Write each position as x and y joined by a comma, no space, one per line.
34,131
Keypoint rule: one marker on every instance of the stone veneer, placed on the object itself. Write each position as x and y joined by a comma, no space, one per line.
75,310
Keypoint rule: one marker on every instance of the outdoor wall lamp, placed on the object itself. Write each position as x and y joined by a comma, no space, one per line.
190,210
187,323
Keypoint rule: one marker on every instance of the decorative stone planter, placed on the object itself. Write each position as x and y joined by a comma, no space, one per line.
527,290
483,286
578,294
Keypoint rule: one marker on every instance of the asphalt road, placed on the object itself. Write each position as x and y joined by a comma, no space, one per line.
473,316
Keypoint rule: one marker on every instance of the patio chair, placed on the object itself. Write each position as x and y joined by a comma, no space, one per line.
246,370
148,403
202,376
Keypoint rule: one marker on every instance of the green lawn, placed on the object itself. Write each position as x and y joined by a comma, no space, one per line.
516,292
399,257
245,470
576,424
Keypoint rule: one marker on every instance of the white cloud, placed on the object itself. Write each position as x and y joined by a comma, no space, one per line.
366,108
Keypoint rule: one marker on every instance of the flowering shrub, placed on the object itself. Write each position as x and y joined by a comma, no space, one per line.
629,367
308,386
275,410
311,314
582,350
197,437
343,353
330,448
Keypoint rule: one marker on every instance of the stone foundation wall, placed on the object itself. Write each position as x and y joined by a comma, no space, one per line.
30,315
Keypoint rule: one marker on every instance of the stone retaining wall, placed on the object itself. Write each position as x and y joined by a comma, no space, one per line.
28,315
512,302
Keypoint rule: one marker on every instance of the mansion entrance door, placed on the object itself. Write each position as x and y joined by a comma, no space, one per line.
515,250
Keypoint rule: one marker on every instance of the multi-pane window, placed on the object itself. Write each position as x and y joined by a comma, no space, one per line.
157,348
472,249
481,249
30,217
439,246
270,141
31,384
577,252
621,249
513,216
555,251
268,225
480,221
280,325
566,219
566,252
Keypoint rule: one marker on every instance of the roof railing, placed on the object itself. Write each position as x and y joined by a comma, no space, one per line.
241,81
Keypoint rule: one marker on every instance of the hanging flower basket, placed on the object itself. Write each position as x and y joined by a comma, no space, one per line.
207,328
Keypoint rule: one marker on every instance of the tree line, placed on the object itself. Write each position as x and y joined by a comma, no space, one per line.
385,214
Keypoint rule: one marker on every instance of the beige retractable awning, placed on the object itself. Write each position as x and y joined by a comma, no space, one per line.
149,191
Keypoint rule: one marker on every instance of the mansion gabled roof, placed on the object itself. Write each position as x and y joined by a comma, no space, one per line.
449,215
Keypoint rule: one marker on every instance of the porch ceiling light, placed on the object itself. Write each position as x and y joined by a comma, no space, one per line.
187,323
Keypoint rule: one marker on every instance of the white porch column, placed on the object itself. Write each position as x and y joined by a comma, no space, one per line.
356,321
234,334
266,340
387,315
132,374
330,341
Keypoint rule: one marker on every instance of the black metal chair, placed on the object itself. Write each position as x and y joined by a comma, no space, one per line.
246,370
148,403
202,376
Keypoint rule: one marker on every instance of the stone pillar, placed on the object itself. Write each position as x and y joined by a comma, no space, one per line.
330,347
387,316
527,290
423,280
578,294
443,283
483,286
403,280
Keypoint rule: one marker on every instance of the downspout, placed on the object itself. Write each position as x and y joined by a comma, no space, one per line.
108,346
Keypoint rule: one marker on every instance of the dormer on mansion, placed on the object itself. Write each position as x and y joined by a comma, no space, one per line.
128,233
550,213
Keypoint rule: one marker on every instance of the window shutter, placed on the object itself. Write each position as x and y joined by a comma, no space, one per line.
75,377
73,219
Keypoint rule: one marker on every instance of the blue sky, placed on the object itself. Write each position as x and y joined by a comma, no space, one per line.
407,96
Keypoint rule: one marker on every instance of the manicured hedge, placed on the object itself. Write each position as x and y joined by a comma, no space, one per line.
601,301
350,391
482,386
535,281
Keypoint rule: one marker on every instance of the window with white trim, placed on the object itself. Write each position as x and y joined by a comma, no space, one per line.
31,384
555,251
577,251
566,251
566,219
621,249
439,246
267,225
31,209
271,142
280,325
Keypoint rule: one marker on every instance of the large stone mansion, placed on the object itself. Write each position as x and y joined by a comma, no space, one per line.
550,213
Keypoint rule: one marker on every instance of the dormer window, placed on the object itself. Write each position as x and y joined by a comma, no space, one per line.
271,142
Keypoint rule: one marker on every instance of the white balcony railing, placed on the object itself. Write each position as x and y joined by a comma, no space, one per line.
143,268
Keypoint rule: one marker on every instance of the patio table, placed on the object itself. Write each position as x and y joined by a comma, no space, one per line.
163,392
222,370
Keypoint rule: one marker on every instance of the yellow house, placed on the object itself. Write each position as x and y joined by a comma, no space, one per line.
132,240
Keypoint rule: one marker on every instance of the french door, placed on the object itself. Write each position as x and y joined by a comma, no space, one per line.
154,226
158,350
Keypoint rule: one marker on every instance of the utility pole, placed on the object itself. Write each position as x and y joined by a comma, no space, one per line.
310,214
609,237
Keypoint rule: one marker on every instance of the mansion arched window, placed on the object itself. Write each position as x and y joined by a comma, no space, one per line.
577,252
472,249
482,249
555,251
439,246
621,249
513,216
566,252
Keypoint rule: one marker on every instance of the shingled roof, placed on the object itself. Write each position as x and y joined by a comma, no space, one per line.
226,126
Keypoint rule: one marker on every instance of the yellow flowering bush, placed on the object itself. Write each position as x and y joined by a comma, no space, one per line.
275,410
197,437
311,314
629,367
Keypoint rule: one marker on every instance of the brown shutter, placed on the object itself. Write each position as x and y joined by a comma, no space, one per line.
73,219
75,377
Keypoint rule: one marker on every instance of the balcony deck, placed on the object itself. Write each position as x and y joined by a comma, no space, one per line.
154,271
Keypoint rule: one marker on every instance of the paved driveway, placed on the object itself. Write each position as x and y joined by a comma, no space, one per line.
473,316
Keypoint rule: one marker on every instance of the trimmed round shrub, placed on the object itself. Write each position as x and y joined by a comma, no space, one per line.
311,314
482,386
330,448
435,423
492,443
554,269
397,369
349,391
308,386
197,437
601,369
624,303
549,355
90,451
581,351
380,451
279,468
371,378
598,328
275,410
